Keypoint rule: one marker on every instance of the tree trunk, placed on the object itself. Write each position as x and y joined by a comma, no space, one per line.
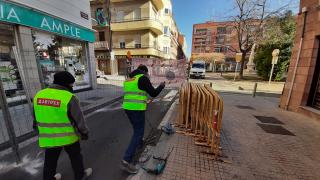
243,58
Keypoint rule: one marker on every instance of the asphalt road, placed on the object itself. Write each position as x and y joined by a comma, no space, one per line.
110,133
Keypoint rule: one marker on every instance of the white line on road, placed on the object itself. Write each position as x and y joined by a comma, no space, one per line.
170,96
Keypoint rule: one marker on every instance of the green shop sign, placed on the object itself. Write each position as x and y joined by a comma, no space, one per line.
25,16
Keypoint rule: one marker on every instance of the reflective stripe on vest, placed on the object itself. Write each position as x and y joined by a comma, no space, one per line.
134,98
51,113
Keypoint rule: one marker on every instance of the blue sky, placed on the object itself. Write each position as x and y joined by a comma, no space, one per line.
189,12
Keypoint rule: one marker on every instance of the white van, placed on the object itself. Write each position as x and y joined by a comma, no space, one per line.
198,69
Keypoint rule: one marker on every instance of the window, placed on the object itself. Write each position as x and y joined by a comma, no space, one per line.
120,16
155,13
166,50
122,45
166,30
56,53
221,30
217,49
201,31
220,39
101,36
137,14
166,11
137,41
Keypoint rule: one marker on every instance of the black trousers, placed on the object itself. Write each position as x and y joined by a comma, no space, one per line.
52,156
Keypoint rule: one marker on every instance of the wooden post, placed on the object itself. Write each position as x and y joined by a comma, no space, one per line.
254,90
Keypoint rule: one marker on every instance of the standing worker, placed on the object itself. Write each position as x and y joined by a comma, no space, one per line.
60,123
136,89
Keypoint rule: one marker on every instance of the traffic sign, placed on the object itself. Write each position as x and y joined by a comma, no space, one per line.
238,57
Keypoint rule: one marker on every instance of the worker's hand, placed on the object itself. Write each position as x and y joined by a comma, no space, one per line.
85,136
163,84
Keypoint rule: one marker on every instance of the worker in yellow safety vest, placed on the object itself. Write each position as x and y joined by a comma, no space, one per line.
60,124
136,91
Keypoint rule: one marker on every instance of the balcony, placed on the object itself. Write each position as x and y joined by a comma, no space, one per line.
101,45
158,3
143,50
138,24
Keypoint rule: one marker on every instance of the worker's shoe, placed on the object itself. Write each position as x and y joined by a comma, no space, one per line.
87,173
130,168
58,176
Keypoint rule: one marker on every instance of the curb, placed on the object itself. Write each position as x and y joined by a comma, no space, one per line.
166,118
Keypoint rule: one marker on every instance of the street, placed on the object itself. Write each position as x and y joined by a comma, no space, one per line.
110,132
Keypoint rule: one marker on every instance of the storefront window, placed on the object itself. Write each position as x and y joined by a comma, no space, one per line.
9,73
55,53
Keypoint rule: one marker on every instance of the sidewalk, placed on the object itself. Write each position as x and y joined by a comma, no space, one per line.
94,99
245,87
254,153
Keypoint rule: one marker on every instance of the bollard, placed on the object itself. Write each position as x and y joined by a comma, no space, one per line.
254,90
211,84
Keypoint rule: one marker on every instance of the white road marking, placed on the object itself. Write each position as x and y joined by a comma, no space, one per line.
27,164
170,96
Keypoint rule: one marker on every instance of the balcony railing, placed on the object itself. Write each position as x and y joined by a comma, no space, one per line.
101,45
135,19
135,47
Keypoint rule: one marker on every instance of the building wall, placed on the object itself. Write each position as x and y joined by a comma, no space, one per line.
307,62
65,9
129,38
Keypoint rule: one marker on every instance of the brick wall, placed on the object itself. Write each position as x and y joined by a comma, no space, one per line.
308,58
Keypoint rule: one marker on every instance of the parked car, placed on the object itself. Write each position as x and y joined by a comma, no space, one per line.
198,69
99,73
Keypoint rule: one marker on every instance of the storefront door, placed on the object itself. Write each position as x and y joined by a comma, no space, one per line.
104,65
314,95
122,66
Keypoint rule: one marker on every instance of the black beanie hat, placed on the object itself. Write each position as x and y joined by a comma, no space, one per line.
143,68
63,78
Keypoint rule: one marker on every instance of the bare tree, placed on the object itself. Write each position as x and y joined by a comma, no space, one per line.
249,24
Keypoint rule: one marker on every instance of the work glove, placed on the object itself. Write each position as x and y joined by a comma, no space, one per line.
163,84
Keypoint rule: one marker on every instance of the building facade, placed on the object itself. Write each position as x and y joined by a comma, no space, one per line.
136,27
302,89
145,29
40,38
215,37
101,17
170,35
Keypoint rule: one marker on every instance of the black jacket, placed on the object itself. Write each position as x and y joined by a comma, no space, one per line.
144,84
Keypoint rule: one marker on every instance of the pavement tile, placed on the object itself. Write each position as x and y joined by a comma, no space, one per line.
254,153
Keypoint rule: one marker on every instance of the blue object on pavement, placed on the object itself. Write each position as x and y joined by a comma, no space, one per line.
168,128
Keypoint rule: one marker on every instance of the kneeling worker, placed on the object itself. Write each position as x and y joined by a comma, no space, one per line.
60,123
136,89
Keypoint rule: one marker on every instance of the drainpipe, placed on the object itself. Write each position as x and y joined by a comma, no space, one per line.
304,11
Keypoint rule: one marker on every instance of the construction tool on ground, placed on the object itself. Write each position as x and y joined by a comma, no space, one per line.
160,166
